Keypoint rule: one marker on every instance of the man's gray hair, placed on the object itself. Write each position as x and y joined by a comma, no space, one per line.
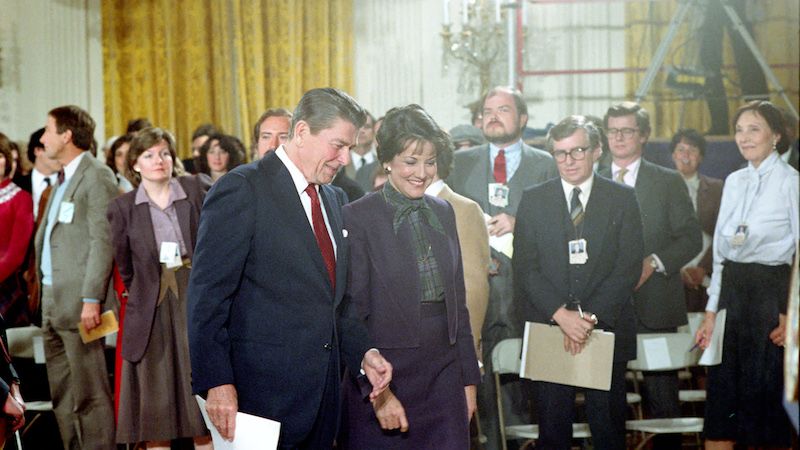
320,108
568,126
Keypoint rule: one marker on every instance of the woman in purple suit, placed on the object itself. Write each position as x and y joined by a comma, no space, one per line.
407,284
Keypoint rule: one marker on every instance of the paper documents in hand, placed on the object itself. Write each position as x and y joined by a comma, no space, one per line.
108,325
713,354
251,433
503,244
544,358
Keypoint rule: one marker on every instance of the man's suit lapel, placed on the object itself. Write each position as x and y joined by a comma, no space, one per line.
77,178
644,184
334,212
521,178
595,220
74,182
556,218
478,178
289,206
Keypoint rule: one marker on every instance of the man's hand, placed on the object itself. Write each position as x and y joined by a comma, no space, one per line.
572,347
703,335
647,272
378,372
693,276
390,412
573,326
90,315
222,404
15,412
501,224
778,335
471,393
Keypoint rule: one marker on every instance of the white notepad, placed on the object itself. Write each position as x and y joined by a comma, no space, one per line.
252,432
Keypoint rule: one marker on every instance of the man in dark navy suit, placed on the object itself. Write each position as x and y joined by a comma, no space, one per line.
577,253
267,325
672,237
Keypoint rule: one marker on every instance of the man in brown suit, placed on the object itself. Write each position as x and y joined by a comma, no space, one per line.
688,148
474,239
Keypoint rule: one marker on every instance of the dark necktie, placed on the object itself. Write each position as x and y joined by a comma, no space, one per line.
575,207
61,177
363,162
500,167
321,233
30,274
43,202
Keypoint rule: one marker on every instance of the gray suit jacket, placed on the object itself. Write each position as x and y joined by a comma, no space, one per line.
672,232
364,176
81,250
472,173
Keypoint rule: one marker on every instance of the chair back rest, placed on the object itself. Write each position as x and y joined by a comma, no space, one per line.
695,319
20,341
507,356
664,351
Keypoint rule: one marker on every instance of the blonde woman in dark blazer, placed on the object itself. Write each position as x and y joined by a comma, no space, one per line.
154,229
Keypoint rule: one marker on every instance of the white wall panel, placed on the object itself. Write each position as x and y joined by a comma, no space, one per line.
398,55
51,55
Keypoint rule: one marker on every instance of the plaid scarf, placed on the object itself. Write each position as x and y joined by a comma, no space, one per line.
414,210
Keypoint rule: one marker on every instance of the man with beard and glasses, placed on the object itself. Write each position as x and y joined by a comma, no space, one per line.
494,175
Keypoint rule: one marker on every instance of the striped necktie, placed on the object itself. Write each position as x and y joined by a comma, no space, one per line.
575,207
620,178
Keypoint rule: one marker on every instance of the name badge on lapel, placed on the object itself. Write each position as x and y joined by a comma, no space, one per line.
577,251
66,211
498,194
170,255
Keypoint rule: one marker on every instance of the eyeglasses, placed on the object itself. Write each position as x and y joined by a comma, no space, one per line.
577,154
627,133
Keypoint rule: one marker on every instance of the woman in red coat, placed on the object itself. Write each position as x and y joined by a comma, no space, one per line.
16,227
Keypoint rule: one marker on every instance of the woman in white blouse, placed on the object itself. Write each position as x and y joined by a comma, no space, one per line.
754,244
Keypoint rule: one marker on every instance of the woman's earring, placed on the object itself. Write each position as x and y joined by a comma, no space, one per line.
387,170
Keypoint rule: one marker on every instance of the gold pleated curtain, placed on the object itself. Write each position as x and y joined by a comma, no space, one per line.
187,62
775,31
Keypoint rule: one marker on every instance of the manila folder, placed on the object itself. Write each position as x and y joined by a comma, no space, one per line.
544,358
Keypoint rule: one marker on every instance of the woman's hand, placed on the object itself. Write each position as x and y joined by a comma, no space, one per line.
17,395
778,335
471,393
703,336
390,412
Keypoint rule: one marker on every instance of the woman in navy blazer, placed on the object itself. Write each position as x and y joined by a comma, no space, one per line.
154,229
406,283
